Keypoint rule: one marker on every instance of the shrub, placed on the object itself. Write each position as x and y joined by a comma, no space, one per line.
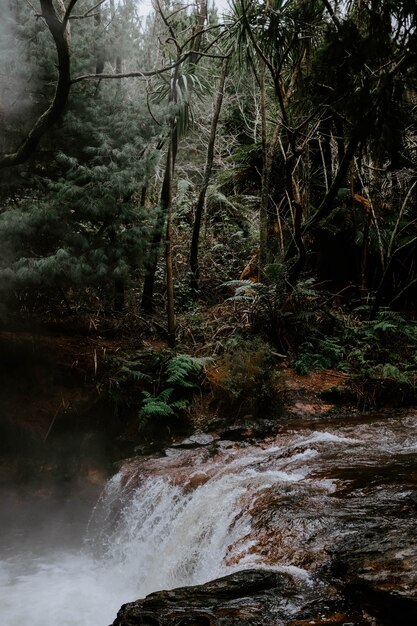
245,380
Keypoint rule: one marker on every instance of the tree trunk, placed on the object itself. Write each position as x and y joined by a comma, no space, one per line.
269,247
166,193
164,208
119,295
60,33
199,210
327,205
170,281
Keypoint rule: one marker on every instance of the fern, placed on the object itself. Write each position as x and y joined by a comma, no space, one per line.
181,374
388,370
159,407
130,369
183,370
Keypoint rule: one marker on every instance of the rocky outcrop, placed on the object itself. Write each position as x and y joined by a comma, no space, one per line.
378,571
246,598
251,597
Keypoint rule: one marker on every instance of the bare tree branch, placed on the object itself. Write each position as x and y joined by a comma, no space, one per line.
88,13
68,13
142,75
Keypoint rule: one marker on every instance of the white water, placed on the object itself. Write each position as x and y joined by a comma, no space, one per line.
190,517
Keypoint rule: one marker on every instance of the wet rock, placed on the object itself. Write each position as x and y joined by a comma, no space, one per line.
251,597
412,498
195,441
248,429
378,570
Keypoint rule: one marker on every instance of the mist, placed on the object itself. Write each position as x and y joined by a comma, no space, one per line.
46,574
19,74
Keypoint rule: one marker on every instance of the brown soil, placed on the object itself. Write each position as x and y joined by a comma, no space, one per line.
304,393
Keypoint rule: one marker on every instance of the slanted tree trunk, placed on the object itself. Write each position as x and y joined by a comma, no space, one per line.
199,209
164,208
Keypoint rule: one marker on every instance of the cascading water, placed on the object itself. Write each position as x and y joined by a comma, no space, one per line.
194,515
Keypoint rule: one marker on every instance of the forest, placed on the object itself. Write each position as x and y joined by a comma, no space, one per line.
208,312
214,179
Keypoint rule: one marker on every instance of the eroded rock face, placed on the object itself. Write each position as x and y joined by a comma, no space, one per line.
378,571
250,597
245,598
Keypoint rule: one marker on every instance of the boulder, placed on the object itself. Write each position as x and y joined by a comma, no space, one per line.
250,597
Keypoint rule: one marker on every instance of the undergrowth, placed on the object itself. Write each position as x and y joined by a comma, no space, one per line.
379,355
244,380
179,380
153,388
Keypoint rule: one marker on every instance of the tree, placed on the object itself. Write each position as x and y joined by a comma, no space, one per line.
77,224
58,26
277,37
199,209
178,93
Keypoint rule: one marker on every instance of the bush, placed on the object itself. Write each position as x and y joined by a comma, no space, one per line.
245,380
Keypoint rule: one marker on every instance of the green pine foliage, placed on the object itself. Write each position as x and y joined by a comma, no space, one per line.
88,230
77,223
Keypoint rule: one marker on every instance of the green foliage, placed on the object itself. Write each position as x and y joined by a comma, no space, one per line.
184,370
325,354
86,232
281,316
75,223
161,405
180,377
128,374
381,349
155,387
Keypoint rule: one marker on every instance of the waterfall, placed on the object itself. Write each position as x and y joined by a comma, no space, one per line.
194,515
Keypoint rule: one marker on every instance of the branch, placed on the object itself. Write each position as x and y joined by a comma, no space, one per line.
142,75
169,26
88,13
68,13
332,14
201,32
56,108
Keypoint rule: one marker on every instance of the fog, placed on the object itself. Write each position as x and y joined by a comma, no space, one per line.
48,573
18,67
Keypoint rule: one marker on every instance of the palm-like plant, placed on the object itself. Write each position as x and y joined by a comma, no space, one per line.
276,39
177,89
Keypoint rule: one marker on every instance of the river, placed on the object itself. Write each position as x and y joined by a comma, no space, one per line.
287,503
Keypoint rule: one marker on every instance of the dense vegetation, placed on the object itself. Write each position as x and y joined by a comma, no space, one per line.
250,176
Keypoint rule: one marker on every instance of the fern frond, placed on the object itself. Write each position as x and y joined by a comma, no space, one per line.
183,370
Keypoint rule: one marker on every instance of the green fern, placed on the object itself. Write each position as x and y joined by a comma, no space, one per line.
159,407
181,374
130,369
184,370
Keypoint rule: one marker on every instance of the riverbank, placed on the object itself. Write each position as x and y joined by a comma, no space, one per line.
71,395
316,486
